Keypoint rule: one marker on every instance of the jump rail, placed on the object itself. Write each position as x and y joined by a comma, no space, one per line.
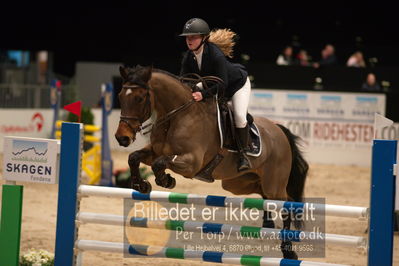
380,244
221,201
215,228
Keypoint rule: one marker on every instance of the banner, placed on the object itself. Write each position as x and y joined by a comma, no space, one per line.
336,127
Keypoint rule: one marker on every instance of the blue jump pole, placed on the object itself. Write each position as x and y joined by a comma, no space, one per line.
106,160
69,178
382,203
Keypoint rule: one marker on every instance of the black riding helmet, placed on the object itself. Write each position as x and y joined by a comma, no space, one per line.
195,26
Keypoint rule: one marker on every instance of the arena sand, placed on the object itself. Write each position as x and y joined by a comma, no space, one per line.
342,185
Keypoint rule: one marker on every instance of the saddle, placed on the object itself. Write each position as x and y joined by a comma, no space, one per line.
227,131
226,126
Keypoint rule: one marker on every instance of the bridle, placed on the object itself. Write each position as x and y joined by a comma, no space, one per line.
147,110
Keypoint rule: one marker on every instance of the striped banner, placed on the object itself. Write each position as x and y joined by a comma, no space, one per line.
230,202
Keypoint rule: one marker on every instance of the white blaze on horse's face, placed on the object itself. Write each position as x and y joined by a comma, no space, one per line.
128,91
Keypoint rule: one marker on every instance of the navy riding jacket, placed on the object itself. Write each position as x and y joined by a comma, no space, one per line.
215,63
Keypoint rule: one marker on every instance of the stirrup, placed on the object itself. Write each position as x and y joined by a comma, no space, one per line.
243,163
205,174
204,178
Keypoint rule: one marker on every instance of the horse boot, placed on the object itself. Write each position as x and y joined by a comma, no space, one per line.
242,142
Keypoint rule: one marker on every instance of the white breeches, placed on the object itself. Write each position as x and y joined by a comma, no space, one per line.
240,101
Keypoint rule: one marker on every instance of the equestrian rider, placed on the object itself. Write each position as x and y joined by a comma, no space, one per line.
205,58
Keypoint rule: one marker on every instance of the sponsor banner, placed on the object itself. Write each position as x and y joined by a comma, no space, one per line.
30,160
335,127
323,106
37,123
341,133
391,132
333,142
34,123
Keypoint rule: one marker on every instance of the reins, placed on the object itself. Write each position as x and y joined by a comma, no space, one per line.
197,78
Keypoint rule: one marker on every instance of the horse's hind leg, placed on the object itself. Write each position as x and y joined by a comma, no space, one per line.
137,182
268,221
286,244
278,193
249,183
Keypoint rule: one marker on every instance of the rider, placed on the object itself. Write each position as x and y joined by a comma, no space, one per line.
206,58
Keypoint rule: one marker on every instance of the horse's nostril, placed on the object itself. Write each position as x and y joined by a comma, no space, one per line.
123,140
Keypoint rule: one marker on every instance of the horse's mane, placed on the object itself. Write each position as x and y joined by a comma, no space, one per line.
134,75
166,73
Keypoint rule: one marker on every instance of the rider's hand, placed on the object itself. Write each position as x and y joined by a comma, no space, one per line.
197,87
197,96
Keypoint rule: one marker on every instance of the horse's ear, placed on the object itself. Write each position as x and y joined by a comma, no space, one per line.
147,73
123,72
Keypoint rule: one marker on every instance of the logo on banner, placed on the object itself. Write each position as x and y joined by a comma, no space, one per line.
365,106
263,102
38,121
35,125
330,105
30,159
29,151
297,104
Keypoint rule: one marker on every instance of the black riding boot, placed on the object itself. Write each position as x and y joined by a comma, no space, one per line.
242,142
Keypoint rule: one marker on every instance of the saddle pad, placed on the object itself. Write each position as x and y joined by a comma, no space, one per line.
256,141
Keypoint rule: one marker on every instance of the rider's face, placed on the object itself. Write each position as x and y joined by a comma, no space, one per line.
193,41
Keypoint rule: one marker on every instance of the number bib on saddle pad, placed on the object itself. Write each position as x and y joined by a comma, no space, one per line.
227,131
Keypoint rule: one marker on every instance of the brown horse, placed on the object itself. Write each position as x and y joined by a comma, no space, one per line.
185,138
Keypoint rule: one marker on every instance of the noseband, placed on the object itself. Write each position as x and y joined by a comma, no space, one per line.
147,109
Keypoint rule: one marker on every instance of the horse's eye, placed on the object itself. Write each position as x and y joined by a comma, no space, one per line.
138,99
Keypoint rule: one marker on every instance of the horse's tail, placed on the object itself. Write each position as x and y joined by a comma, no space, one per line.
299,171
299,168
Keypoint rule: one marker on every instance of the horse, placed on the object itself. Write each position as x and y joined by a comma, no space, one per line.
185,138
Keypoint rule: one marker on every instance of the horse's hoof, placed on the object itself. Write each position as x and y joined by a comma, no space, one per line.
160,182
171,182
286,248
143,187
166,181
290,255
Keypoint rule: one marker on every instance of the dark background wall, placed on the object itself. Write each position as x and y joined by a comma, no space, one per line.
146,32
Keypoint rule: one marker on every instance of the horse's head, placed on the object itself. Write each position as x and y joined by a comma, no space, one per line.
135,103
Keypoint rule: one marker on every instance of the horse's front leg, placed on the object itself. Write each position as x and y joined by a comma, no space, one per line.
137,182
185,165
